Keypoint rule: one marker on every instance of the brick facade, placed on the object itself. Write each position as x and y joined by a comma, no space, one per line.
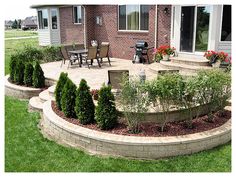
120,42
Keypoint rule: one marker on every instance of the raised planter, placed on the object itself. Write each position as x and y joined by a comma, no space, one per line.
96,142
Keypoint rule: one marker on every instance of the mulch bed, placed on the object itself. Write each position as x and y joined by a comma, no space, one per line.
153,129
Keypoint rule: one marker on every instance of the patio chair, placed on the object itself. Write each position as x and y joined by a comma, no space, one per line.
92,54
67,56
78,46
115,78
103,52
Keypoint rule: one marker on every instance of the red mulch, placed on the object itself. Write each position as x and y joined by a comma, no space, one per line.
153,129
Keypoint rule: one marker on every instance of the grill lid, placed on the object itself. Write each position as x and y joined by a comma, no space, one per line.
141,44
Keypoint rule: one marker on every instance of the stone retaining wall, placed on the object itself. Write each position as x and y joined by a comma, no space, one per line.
97,142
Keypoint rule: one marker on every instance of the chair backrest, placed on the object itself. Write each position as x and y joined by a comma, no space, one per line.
103,51
92,53
64,53
115,77
69,48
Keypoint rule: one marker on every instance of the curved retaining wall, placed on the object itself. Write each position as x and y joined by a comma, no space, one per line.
97,142
23,92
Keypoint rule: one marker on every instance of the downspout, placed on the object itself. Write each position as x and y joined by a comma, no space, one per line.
156,23
85,34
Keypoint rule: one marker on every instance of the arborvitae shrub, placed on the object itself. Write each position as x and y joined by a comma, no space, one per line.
28,74
19,73
38,76
68,99
106,113
59,87
84,105
12,67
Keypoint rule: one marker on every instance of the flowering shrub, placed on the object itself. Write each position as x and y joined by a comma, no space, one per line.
209,54
214,56
222,56
162,50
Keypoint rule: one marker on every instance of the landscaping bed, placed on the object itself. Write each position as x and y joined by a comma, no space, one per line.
151,129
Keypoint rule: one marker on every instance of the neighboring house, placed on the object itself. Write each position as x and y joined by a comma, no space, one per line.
29,23
190,29
8,24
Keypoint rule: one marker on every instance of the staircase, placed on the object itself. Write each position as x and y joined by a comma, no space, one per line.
36,102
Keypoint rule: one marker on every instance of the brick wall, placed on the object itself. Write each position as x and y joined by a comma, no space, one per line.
120,42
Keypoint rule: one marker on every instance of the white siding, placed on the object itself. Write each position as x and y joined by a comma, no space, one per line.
55,37
44,37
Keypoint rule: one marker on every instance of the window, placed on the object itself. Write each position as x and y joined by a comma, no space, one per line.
54,18
226,23
133,17
43,19
77,14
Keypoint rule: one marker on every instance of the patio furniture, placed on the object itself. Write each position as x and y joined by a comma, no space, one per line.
79,54
103,52
66,56
115,78
91,55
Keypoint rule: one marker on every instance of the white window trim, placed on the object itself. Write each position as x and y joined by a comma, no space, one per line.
221,20
130,31
74,16
48,28
57,18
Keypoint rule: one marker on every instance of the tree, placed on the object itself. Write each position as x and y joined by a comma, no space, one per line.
59,87
84,104
14,24
28,74
38,76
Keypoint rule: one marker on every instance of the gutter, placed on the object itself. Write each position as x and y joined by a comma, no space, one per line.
85,34
156,23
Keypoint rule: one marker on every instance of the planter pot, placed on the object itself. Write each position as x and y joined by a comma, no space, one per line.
166,57
216,64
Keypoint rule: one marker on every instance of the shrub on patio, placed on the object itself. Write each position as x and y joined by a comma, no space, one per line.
84,106
106,114
134,102
19,73
28,74
68,99
12,68
59,87
51,53
38,76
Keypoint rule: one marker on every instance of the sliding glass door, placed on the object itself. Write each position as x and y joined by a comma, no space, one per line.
194,29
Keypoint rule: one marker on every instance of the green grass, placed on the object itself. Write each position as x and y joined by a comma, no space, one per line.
26,150
19,33
12,45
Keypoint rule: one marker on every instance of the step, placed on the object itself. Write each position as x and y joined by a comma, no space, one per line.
45,96
183,67
190,61
35,104
51,90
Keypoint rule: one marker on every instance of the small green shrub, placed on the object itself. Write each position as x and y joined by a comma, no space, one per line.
59,87
28,74
51,53
38,76
106,114
68,99
84,106
12,67
19,73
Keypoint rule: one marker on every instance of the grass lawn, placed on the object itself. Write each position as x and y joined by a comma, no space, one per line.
27,150
12,45
19,33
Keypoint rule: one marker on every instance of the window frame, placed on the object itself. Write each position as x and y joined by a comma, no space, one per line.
132,31
81,13
54,9
43,26
221,21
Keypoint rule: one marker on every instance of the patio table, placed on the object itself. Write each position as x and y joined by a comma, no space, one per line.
78,54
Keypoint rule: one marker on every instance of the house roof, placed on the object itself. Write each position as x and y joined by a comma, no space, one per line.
49,5
8,22
29,21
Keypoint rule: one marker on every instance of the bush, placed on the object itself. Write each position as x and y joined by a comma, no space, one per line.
68,99
12,68
19,73
28,74
38,76
59,87
51,53
134,102
84,106
106,114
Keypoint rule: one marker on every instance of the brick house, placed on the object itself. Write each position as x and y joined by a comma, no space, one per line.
191,29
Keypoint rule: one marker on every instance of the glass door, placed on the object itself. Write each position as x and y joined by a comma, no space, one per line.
194,29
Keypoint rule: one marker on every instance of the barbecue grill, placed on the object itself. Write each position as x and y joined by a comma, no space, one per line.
141,50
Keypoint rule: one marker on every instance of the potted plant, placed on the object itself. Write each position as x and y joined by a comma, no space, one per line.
165,51
215,58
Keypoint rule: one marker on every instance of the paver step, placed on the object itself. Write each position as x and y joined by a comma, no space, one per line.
190,61
51,90
45,96
182,67
35,104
